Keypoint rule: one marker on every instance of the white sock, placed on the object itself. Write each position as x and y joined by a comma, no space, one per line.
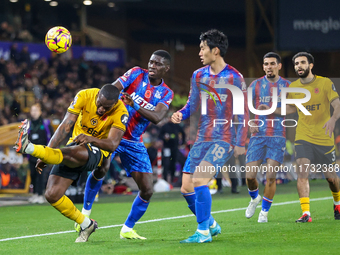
126,229
214,224
264,213
336,203
86,212
204,232
306,212
29,149
85,223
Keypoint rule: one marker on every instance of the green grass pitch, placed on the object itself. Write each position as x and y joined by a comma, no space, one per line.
281,235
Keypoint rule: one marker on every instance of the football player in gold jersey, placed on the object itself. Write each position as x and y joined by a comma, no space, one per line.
99,121
314,140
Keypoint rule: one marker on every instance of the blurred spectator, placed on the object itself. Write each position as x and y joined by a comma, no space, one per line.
25,55
40,132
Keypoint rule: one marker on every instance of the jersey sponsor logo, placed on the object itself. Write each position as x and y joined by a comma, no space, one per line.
124,119
267,99
148,94
140,101
158,95
312,107
316,90
91,131
94,122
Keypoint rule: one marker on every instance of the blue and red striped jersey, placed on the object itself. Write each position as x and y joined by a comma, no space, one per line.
137,84
262,92
217,121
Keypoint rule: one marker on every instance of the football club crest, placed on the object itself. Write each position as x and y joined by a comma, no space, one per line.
94,122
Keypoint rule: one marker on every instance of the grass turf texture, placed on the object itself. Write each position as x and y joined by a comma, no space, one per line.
281,235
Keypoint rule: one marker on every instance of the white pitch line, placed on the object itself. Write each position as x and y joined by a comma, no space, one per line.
161,219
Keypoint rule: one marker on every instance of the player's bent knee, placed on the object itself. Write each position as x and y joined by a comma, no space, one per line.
146,194
52,196
271,181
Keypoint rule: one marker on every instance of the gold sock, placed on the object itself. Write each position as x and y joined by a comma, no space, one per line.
336,196
65,206
304,202
47,154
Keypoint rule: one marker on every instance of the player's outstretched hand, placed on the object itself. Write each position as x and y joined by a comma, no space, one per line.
329,126
82,139
239,151
127,99
176,117
39,166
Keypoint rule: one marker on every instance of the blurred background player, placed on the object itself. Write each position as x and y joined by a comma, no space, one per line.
268,141
40,132
147,99
170,134
98,120
214,145
314,139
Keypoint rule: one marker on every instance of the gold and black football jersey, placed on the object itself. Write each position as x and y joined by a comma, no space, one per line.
89,122
310,127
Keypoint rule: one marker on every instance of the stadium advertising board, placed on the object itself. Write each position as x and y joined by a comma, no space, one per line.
308,25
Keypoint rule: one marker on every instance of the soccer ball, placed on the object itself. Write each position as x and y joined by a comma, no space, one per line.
58,39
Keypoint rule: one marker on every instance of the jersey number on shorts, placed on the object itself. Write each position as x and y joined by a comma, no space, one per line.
94,149
333,156
218,152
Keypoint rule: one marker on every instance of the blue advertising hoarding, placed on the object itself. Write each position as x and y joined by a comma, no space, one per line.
112,57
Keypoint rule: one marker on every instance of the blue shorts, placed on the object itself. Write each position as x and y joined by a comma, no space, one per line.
134,157
216,153
261,148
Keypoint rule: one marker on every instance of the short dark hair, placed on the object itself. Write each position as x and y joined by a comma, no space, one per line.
216,38
309,57
273,55
110,92
163,54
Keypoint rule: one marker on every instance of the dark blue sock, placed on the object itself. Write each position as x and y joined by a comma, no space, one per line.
266,204
203,207
190,198
138,209
253,193
91,189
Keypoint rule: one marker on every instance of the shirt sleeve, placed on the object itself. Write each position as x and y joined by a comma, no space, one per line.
167,98
193,100
331,90
78,103
129,76
121,117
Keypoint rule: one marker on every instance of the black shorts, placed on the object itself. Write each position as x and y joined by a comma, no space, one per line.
95,160
317,154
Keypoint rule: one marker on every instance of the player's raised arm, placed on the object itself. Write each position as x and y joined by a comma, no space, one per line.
63,130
